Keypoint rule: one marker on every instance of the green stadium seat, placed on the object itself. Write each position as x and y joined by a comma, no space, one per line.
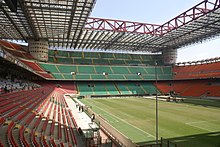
112,90
167,70
62,53
149,87
156,57
82,77
65,60
133,62
49,67
84,89
91,66
136,57
146,57
57,76
120,70
98,77
159,62
149,77
83,61
115,77
68,76
76,54
135,88
116,62
133,77
122,56
88,58
148,62
159,70
101,69
91,55
99,89
95,72
107,55
67,68
123,88
50,59
86,69
101,61
135,70
164,77
150,70
51,53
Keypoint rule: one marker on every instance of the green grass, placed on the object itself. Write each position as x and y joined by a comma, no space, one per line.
191,123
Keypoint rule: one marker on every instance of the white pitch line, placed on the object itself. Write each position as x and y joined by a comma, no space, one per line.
125,121
200,127
196,122
115,120
193,124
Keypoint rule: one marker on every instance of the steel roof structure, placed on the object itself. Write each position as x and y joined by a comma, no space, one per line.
66,24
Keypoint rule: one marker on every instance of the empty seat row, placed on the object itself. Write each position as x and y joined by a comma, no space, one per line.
116,88
35,119
94,72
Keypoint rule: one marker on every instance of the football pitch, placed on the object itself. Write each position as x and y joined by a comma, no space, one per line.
193,122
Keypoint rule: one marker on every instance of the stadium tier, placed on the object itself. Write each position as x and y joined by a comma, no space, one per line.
68,57
117,69
15,50
11,45
36,68
192,88
116,88
97,66
205,70
35,116
101,72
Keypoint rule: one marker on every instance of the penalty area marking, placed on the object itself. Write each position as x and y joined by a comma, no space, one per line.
125,122
130,124
193,124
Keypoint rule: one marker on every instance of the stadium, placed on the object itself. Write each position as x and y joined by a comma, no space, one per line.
71,80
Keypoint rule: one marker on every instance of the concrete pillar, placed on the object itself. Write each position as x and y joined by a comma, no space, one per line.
38,49
169,56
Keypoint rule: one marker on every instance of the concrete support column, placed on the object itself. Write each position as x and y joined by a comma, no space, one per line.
38,49
169,56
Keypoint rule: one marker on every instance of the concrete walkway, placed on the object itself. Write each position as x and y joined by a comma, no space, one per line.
82,119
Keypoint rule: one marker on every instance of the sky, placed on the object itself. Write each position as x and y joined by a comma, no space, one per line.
157,12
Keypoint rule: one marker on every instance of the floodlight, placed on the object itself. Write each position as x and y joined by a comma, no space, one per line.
138,73
105,73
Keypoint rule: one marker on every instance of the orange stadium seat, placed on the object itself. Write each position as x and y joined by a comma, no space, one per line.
209,70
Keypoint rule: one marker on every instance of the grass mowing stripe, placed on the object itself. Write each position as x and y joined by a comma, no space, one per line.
202,130
112,115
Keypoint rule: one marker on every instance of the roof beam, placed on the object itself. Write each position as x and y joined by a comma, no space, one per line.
73,11
188,16
79,46
77,27
12,22
27,16
114,40
119,26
